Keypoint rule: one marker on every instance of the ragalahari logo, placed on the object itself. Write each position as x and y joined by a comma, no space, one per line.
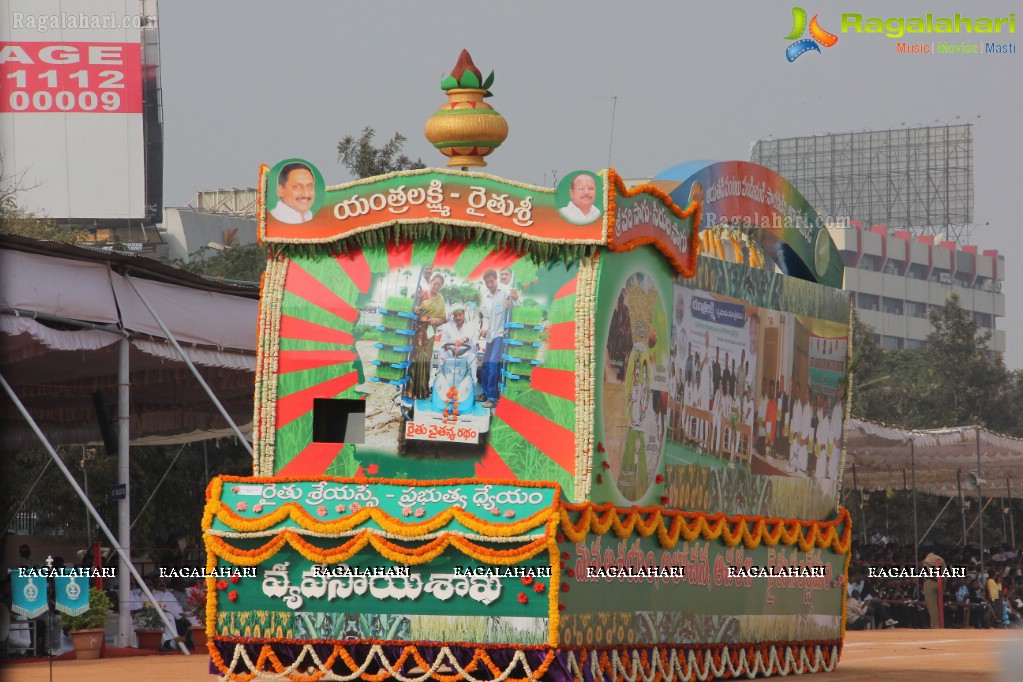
817,35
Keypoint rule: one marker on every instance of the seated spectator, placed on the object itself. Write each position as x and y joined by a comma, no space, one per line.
856,615
979,605
964,608
172,607
877,608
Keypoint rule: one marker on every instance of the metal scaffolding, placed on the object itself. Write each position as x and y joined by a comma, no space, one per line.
919,179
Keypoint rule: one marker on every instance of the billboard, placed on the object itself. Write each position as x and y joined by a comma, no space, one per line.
906,178
71,107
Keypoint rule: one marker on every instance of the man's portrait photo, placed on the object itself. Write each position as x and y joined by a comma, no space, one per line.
296,193
582,193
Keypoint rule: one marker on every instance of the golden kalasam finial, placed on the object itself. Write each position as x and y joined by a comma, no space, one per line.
466,128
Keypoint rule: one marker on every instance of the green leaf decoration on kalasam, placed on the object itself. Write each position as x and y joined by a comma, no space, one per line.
488,82
448,83
469,80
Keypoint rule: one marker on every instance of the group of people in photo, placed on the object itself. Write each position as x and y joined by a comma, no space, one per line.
480,341
801,427
718,399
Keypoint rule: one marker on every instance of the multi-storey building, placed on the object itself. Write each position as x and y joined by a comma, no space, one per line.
896,277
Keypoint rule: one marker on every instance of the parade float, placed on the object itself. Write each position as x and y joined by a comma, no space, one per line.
499,438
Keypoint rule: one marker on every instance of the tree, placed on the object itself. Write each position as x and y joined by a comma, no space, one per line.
968,383
174,514
954,381
16,220
865,367
240,263
364,160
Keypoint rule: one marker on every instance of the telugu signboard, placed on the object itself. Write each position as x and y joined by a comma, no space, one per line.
585,208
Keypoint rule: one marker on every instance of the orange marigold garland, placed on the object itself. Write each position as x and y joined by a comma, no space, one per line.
694,210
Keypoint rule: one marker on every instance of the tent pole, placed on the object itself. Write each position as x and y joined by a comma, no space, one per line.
1012,512
159,483
14,516
916,530
1005,537
930,527
92,510
195,372
980,505
124,624
962,506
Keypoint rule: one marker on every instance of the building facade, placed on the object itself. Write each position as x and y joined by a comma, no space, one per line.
897,277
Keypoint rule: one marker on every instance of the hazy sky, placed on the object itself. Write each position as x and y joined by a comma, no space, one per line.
246,83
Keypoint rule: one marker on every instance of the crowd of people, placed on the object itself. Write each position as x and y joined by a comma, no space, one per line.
992,598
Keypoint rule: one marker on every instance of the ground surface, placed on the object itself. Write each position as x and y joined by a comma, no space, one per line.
876,656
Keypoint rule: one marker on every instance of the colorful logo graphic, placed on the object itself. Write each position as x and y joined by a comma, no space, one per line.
817,35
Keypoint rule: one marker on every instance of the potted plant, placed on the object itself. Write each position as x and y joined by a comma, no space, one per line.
196,608
89,629
148,627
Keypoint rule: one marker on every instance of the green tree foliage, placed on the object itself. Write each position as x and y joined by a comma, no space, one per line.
171,519
865,366
16,220
969,383
237,263
364,160
955,380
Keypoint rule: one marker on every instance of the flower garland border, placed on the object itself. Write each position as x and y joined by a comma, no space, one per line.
694,209
215,508
271,297
528,537
389,550
638,663
670,525
585,379
264,170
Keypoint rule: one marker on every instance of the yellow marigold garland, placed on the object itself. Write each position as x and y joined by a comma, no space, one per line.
390,550
671,525
264,170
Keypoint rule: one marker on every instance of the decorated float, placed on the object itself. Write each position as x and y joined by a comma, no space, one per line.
508,432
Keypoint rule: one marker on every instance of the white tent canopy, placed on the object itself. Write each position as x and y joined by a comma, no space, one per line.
50,296
880,457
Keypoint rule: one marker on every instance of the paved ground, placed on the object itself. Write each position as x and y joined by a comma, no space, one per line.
876,656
